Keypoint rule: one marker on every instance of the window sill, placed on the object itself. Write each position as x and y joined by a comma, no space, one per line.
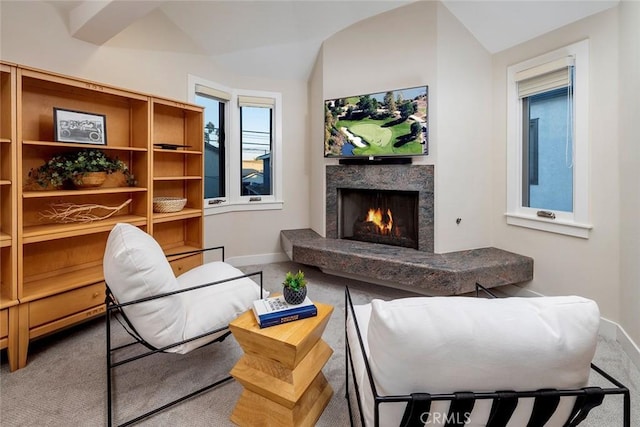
567,228
243,206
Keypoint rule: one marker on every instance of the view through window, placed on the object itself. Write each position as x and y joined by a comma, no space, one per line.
256,138
214,137
547,154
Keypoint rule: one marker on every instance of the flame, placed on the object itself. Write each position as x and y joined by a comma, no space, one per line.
375,216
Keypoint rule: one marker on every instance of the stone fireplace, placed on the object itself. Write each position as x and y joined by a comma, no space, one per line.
400,197
378,216
389,190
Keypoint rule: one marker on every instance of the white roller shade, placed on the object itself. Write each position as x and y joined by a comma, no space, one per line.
255,101
544,77
215,93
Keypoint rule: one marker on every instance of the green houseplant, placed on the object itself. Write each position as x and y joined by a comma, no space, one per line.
294,287
76,167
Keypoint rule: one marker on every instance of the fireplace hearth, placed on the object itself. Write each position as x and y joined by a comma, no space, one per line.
379,216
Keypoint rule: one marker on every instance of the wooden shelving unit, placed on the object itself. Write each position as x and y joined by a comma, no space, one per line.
178,173
8,222
52,272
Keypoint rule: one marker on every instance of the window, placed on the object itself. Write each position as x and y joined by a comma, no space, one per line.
547,143
242,147
214,135
256,134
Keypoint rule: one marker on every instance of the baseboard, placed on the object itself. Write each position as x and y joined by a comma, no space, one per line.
239,261
608,328
627,344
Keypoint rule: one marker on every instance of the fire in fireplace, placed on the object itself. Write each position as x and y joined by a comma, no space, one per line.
379,216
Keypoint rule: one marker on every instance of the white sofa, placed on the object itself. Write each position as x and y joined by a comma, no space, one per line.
437,346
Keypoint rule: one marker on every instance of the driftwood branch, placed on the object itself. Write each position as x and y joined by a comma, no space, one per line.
70,212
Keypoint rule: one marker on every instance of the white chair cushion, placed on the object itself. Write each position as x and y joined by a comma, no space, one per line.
214,306
448,344
136,267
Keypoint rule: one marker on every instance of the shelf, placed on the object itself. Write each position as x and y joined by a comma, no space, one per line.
59,82
185,213
179,249
5,182
5,240
176,178
176,104
89,192
81,146
8,141
43,233
192,152
6,303
45,287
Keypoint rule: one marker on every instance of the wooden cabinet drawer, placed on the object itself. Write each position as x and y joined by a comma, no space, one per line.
4,323
183,265
65,304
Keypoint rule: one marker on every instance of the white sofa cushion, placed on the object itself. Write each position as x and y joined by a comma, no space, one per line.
136,267
448,344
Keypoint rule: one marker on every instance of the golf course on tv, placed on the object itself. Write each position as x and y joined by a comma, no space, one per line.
379,140
381,124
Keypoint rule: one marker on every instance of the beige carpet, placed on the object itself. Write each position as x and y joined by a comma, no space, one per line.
64,381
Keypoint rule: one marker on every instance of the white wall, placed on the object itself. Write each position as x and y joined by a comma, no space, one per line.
629,89
463,168
143,58
418,44
569,265
315,137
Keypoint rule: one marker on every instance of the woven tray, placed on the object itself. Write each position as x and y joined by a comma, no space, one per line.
168,204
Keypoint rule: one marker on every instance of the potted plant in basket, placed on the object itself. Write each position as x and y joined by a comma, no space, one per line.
85,168
294,287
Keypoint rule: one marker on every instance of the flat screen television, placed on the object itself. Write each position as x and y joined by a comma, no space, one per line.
384,124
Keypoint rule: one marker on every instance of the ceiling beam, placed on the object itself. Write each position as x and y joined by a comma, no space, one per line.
98,21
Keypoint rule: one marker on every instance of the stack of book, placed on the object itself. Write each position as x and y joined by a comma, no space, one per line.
275,311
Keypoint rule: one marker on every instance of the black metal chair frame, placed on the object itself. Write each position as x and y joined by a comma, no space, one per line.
504,402
114,309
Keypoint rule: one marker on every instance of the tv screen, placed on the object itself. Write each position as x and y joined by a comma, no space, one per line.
384,124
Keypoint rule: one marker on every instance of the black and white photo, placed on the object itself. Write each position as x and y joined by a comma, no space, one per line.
79,127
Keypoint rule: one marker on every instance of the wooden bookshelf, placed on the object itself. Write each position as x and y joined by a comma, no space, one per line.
52,273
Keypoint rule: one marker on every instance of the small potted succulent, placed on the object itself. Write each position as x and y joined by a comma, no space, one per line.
294,287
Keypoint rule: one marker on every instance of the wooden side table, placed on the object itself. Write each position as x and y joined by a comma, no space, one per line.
281,371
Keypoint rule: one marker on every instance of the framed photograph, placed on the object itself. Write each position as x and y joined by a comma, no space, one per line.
79,127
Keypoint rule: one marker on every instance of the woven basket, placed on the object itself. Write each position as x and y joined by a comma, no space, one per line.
168,204
89,179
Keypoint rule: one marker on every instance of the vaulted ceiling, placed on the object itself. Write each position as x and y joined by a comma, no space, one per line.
281,39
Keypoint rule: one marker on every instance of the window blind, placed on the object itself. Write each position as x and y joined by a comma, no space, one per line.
215,93
255,101
544,77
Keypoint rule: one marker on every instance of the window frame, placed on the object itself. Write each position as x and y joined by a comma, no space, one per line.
234,200
574,223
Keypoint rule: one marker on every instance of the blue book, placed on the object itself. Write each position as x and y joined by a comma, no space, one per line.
275,311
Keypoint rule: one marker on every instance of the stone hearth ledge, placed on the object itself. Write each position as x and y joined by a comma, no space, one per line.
452,273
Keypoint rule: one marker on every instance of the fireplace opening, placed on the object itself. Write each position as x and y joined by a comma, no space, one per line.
379,216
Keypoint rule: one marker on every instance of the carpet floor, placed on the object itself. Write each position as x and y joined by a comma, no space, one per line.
64,382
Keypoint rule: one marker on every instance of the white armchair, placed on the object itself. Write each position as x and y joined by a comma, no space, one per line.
451,361
163,312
